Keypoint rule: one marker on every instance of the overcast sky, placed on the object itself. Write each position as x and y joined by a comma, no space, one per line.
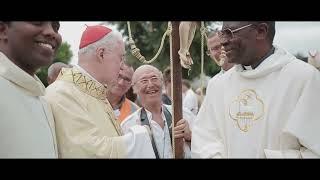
293,36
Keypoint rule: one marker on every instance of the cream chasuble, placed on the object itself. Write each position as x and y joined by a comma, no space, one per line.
85,123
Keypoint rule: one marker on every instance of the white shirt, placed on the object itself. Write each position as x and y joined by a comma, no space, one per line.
161,136
190,101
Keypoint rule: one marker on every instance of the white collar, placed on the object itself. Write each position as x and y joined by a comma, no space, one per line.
149,115
247,68
20,78
277,60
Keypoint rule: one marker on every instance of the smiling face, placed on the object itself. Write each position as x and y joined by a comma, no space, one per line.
123,83
30,45
214,47
242,47
147,84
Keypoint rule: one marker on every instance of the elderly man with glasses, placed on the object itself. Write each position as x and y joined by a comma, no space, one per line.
147,84
264,107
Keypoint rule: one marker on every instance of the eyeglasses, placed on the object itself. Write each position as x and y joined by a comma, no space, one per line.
123,58
208,52
153,80
216,48
229,34
125,79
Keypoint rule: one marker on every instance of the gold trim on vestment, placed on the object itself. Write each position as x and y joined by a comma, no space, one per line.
246,99
92,88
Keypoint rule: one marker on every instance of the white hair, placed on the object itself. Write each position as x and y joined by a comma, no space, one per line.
110,41
137,72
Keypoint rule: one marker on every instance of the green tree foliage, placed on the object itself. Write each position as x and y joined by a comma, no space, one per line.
64,54
147,36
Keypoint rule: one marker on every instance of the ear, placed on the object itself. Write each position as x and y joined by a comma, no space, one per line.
3,30
100,53
49,80
135,90
263,30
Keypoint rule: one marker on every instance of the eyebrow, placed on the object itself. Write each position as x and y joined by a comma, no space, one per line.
125,77
147,77
56,23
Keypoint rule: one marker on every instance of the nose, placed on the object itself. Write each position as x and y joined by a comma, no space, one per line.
50,32
121,81
48,29
122,64
149,83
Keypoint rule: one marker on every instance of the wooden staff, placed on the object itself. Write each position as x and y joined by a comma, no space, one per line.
177,88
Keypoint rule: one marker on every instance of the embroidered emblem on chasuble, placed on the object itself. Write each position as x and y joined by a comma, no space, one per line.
247,108
92,88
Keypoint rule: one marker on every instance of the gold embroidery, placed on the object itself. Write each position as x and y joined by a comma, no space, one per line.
95,90
246,109
113,117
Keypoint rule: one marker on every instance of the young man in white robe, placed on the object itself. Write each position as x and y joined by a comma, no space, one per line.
26,121
265,107
86,126
147,84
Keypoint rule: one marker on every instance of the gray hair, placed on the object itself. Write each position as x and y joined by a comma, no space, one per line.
110,41
150,67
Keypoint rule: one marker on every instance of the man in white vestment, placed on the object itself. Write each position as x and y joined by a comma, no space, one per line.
86,126
264,107
26,122
147,84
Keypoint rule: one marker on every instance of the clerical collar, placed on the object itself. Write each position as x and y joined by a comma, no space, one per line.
262,59
247,67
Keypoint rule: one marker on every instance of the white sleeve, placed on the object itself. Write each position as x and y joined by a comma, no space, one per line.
206,139
300,137
304,122
137,138
138,143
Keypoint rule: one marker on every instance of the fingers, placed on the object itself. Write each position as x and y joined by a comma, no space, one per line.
180,135
181,121
181,127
